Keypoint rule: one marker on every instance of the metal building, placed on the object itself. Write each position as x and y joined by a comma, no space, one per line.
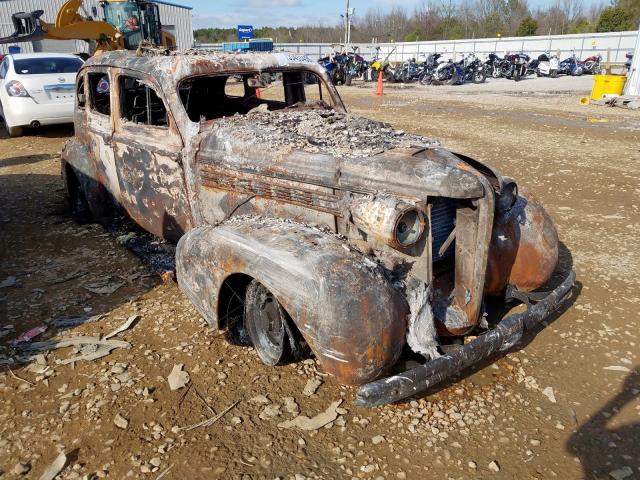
175,19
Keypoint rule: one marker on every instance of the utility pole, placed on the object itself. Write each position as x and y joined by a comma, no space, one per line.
347,27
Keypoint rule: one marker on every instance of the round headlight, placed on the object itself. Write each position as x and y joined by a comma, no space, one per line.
409,228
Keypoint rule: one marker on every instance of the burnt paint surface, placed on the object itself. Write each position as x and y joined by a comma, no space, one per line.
524,248
354,321
193,175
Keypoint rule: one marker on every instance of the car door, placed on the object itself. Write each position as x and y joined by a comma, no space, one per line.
98,127
148,153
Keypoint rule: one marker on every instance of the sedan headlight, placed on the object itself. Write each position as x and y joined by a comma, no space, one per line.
16,89
409,228
396,223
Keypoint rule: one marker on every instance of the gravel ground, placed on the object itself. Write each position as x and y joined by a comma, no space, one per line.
563,405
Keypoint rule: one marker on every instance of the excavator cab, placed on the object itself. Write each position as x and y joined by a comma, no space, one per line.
136,20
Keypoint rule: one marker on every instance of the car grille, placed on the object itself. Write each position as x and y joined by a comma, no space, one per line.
443,218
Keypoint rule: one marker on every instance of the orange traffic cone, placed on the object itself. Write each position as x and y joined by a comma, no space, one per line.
257,93
379,89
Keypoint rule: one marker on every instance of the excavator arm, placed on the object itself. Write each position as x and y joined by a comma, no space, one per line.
69,25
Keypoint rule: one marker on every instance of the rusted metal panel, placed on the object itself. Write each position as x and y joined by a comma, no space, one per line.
242,193
333,287
524,248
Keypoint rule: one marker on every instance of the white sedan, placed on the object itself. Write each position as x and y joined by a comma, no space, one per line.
37,89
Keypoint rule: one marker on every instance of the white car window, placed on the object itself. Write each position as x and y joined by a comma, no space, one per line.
47,65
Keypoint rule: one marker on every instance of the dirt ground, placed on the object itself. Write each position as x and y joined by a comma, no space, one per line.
564,405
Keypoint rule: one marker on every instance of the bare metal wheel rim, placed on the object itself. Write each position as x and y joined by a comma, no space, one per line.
265,323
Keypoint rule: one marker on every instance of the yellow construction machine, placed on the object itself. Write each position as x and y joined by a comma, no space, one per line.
127,23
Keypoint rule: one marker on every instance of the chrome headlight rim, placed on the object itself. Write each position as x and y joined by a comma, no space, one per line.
410,220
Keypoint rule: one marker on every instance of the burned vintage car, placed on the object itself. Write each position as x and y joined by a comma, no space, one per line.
300,226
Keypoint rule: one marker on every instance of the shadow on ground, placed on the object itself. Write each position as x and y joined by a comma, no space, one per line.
603,444
52,259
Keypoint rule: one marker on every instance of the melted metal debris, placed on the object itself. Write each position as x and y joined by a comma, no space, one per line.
317,130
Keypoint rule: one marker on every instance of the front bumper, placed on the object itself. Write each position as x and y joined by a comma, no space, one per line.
506,334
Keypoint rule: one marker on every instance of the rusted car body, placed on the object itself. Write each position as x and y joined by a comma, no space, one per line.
344,233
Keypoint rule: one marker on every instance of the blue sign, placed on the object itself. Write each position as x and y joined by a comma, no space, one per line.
13,49
245,32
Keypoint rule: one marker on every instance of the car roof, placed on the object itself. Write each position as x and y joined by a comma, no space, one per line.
24,56
173,66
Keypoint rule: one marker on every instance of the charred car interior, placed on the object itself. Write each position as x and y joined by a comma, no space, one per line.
300,227
214,96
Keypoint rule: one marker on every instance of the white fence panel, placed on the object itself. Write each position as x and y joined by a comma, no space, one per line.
612,46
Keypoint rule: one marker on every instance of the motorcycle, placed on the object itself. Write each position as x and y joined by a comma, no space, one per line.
515,66
428,69
334,68
356,67
493,66
376,66
408,72
627,64
547,65
591,66
449,73
570,66
473,69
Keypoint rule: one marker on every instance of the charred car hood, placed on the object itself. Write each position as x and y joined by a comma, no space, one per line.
330,149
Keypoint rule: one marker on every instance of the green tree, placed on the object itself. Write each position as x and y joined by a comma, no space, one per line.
413,36
456,31
614,19
633,8
527,28
582,25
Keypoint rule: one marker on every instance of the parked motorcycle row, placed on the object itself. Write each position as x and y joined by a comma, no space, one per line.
436,70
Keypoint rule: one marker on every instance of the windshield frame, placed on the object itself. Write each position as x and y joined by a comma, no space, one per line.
328,87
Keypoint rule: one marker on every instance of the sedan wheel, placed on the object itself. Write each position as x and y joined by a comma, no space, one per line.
265,322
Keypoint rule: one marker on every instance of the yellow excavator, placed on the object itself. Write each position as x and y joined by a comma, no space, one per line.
127,23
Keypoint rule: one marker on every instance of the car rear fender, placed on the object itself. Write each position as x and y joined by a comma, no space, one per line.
77,161
351,317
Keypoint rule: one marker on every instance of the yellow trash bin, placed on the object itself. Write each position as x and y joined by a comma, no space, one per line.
607,84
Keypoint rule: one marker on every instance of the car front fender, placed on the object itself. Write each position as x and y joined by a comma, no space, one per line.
349,314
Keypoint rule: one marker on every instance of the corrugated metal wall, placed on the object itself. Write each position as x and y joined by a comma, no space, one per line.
177,18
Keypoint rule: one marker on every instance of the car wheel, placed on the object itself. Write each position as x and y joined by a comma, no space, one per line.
88,201
76,200
266,323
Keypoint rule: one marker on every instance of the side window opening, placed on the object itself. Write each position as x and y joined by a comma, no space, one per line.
100,92
80,95
210,97
140,104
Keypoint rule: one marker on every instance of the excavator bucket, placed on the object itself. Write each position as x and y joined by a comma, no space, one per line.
28,27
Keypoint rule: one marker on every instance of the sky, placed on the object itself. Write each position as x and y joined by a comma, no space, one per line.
229,13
